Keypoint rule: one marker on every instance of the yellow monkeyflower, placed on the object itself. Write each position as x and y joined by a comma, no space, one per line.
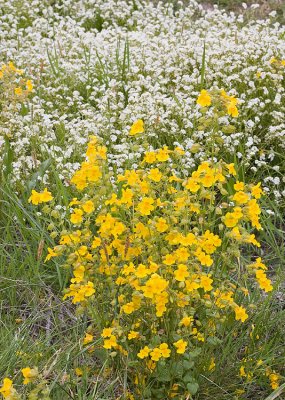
29,85
161,225
111,342
88,206
133,335
155,175
164,350
155,354
137,127
40,197
18,91
107,332
181,273
240,313
143,353
76,216
232,110
88,338
29,374
146,206
51,253
204,99
7,389
180,346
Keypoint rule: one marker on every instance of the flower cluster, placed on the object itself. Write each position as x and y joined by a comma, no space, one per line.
13,85
129,65
30,376
160,252
222,99
38,198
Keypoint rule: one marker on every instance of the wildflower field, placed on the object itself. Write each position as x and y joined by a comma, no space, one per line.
142,200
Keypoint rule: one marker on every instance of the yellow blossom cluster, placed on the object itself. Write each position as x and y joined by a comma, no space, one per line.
10,75
30,375
219,99
40,197
156,253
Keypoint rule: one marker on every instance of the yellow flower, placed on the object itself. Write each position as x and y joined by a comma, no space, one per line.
133,335
88,206
240,313
162,154
192,185
242,371
111,342
146,206
150,157
51,253
181,273
29,85
169,259
205,283
241,197
88,289
180,346
212,365
232,110
7,389
42,197
263,281
144,352
239,186
231,169
96,242
186,321
29,374
107,332
161,225
76,216
164,350
88,338
128,308
155,175
137,127
155,354
141,271
230,220
35,198
256,191
274,380
204,99
78,371
18,91
46,196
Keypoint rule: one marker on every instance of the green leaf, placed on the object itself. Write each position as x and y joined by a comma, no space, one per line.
203,68
193,388
187,365
213,340
8,158
195,353
163,373
43,167
189,378
177,369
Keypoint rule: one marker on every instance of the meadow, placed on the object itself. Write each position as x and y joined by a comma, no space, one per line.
142,199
